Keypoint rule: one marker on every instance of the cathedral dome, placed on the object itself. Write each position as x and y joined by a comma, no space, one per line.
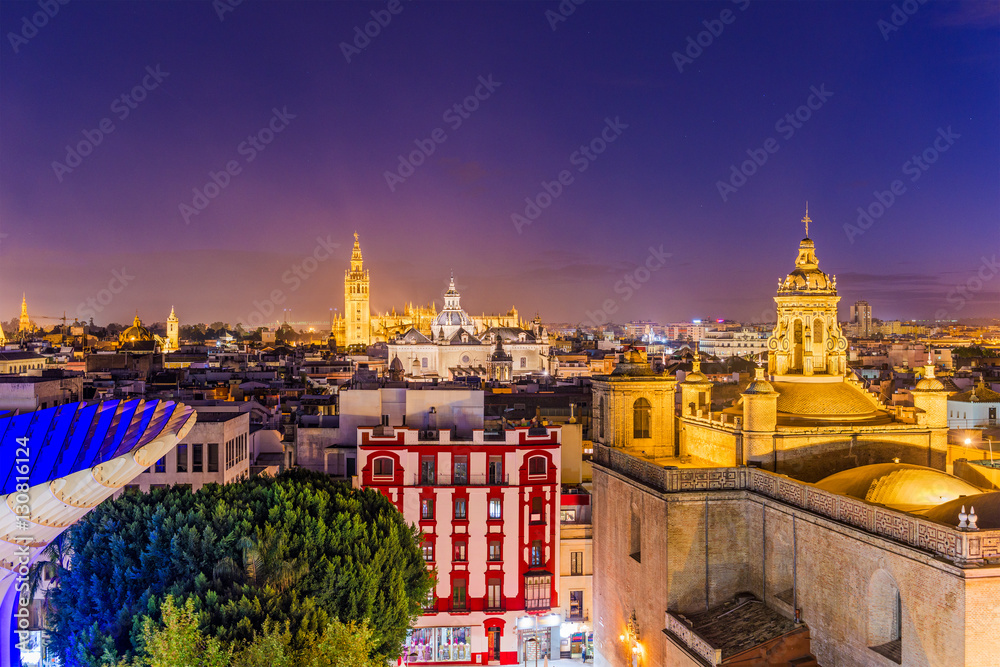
452,317
899,485
830,401
135,333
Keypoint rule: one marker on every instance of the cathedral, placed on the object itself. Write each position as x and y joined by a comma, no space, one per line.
460,346
806,523
358,326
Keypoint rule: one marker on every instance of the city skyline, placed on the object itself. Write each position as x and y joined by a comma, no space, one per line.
230,142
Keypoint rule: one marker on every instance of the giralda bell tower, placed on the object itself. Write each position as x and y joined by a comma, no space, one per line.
357,315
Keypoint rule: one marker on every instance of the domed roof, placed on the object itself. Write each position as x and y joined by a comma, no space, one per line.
806,277
835,400
396,364
452,318
899,485
987,510
759,385
135,333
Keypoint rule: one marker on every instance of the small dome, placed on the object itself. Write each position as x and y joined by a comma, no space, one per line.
759,385
806,277
396,364
987,510
899,485
930,384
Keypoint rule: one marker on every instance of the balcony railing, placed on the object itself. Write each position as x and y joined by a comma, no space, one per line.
496,605
447,479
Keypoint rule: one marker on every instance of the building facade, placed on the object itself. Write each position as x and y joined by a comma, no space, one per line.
216,450
489,509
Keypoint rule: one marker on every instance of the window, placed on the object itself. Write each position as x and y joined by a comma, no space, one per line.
576,605
600,419
461,507
635,537
430,602
524,362
427,470
461,470
576,563
427,509
161,464
495,551
427,549
493,600
182,458
213,457
640,418
423,362
495,508
537,506
458,600
537,465
460,555
196,460
536,553
537,592
568,516
496,469
383,467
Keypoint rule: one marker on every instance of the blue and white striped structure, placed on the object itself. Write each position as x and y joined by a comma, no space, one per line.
58,464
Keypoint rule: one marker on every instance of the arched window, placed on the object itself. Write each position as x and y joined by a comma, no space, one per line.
641,410
383,467
536,465
524,362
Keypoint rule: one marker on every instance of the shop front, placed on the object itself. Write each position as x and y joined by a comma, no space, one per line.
439,645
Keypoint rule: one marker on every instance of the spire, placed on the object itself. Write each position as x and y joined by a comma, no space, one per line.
806,219
696,364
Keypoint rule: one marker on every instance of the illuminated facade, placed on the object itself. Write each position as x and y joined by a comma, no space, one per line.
58,464
357,314
705,511
173,332
489,510
25,325
358,326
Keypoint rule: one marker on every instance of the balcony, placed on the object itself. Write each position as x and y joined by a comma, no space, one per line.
447,479
496,605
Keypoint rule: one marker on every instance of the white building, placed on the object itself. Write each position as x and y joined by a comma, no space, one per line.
456,349
974,409
725,344
216,450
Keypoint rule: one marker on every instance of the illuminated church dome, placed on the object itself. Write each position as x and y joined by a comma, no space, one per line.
899,485
452,317
806,277
136,333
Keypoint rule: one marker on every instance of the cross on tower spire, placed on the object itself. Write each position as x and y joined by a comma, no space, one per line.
806,219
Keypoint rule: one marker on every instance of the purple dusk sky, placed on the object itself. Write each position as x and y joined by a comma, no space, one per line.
624,121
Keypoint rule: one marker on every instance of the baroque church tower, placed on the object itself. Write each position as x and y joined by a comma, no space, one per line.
807,339
173,332
357,312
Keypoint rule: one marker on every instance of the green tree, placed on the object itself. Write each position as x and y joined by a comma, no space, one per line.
297,551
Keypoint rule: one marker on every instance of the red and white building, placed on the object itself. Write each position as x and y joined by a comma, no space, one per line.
488,507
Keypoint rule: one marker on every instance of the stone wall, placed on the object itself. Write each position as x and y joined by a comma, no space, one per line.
787,542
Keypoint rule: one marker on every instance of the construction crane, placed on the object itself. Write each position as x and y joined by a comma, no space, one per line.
50,317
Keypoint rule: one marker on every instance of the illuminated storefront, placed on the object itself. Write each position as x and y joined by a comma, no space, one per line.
439,645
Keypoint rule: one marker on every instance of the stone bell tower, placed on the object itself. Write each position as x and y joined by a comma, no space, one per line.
807,339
